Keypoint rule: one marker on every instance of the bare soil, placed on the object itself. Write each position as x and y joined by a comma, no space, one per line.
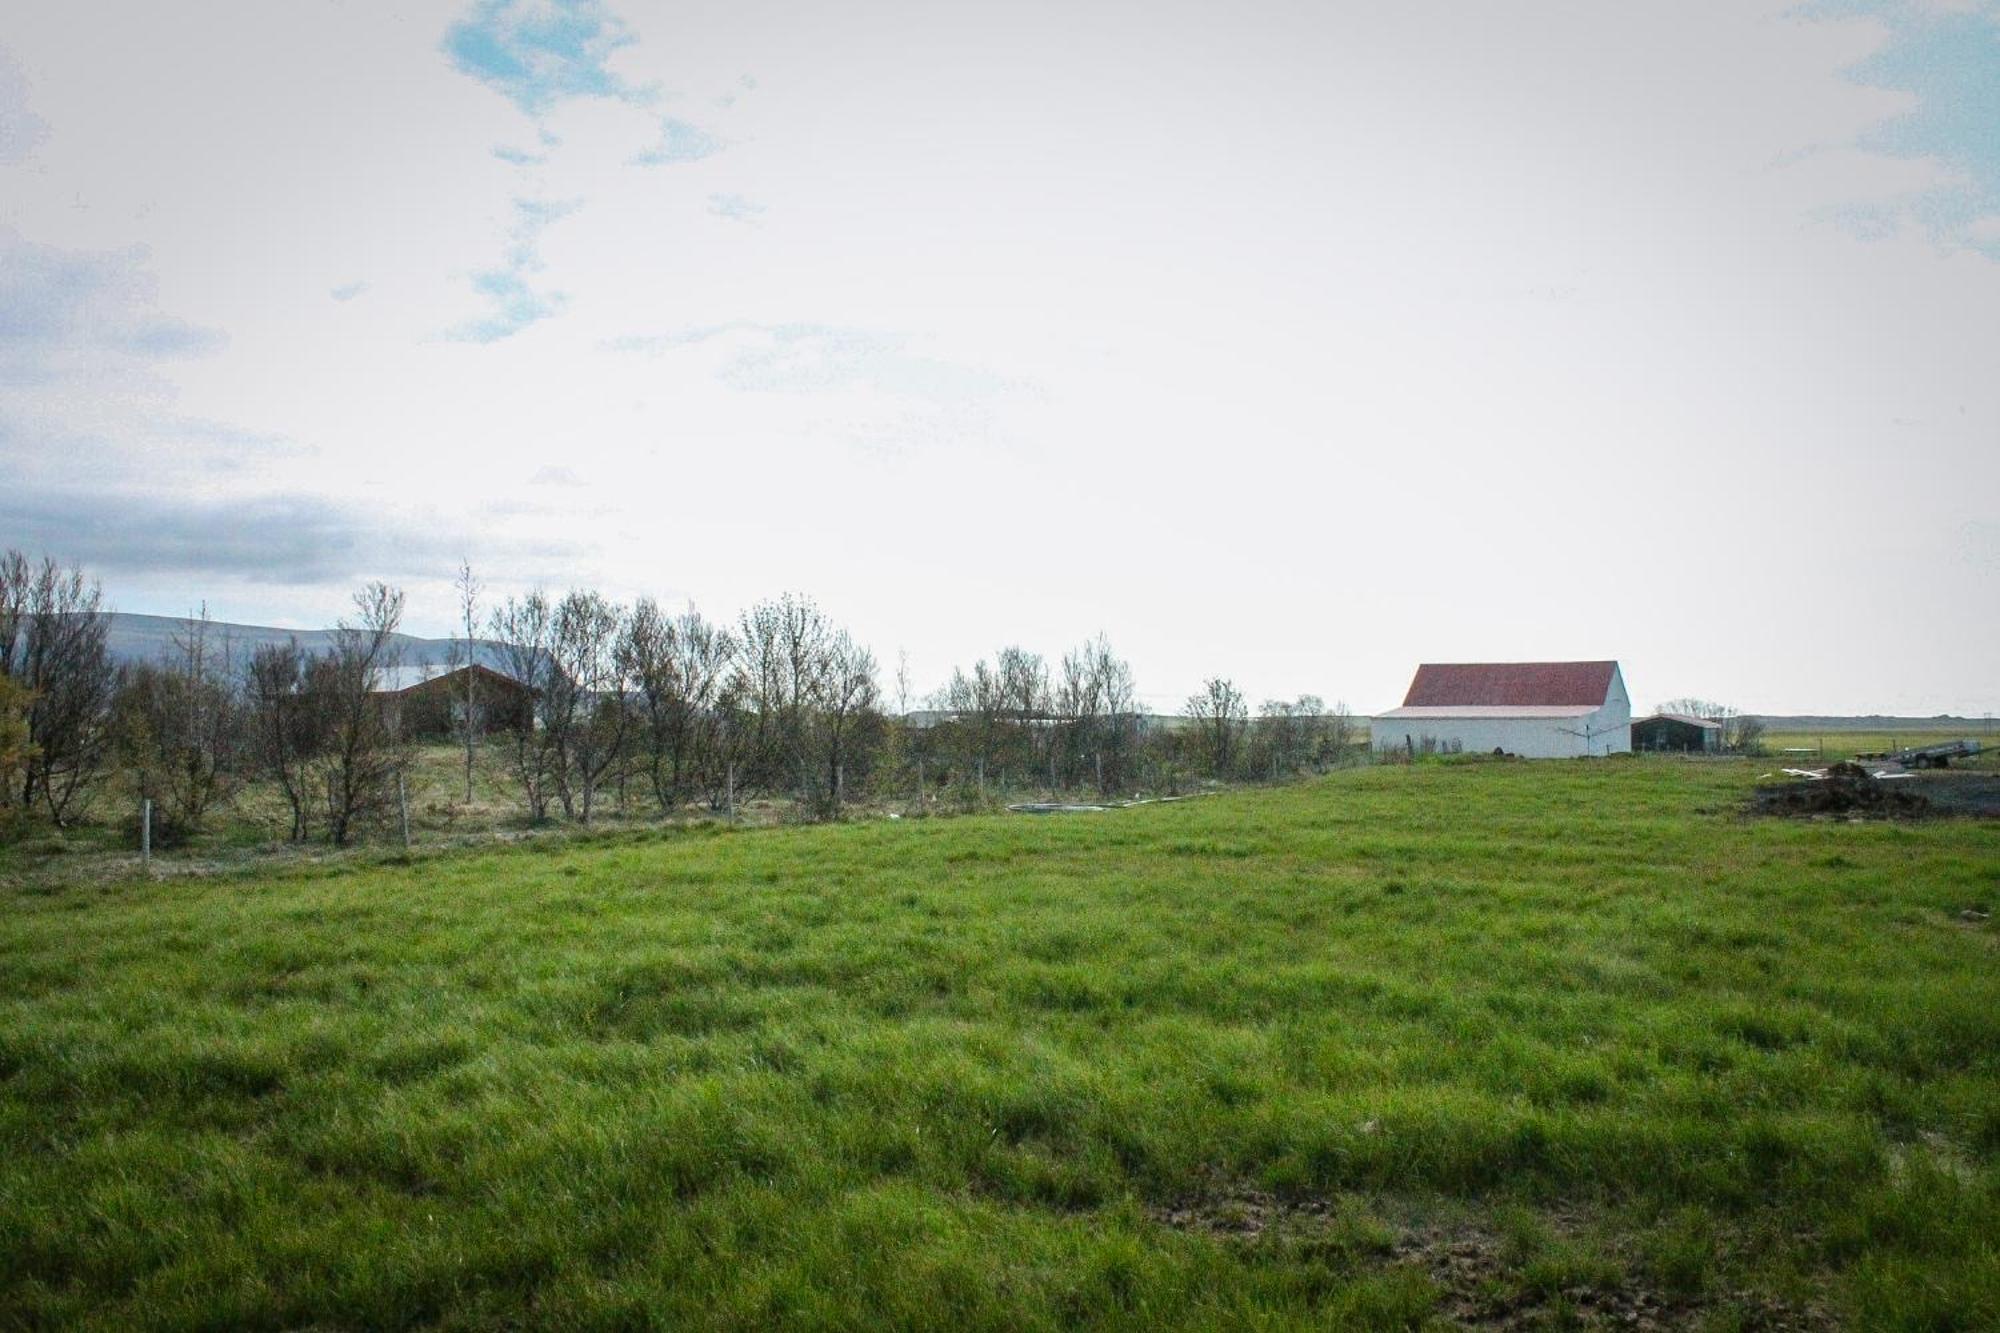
1479,1277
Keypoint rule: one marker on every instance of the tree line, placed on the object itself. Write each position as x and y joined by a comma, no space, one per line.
627,706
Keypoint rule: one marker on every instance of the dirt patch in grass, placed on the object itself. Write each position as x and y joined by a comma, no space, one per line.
1480,1287
1484,1279
1246,1213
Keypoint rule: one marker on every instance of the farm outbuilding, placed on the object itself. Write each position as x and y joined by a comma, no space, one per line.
1677,733
1537,710
429,700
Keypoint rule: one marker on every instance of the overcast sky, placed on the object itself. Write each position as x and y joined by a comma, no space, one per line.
1292,342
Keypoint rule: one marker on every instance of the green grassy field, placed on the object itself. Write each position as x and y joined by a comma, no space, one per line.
1846,744
1510,1045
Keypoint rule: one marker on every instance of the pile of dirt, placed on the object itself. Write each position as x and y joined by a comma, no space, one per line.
1846,789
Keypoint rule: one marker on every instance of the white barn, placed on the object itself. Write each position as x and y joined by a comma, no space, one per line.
1538,710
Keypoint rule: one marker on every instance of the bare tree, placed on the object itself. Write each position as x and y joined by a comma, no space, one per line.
1337,737
362,754
53,633
678,666
587,635
783,650
844,697
1115,744
1092,702
465,655
1024,689
1299,734
1078,705
809,694
287,726
1219,715
525,630
16,750
731,745
180,728
1277,739
978,708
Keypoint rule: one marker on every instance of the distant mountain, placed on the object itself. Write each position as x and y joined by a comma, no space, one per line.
137,638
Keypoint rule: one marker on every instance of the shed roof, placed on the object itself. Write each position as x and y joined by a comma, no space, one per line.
396,679
1689,718
1511,685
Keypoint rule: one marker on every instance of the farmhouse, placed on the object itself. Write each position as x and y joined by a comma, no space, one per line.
1538,710
1678,733
428,700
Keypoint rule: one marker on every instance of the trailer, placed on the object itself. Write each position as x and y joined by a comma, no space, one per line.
1929,756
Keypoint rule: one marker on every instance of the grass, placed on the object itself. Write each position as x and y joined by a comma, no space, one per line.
1464,1042
1847,744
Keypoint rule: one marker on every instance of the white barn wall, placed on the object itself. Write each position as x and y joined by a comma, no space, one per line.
1529,737
1609,731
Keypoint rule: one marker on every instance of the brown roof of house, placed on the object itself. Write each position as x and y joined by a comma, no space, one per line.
1510,684
403,679
1470,711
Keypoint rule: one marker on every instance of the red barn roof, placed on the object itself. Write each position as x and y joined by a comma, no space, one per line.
1510,684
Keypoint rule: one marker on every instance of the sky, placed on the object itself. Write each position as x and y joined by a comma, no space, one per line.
1293,343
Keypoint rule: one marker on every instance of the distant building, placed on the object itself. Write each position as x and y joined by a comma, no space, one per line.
429,700
1538,710
1677,733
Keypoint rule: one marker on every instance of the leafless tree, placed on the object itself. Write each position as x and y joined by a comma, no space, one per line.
678,666
465,655
362,754
1078,705
1115,744
53,633
731,745
1277,742
977,705
524,628
1337,736
287,726
783,650
1219,715
809,694
181,728
588,633
15,748
844,698
1093,705
1025,694
1302,733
